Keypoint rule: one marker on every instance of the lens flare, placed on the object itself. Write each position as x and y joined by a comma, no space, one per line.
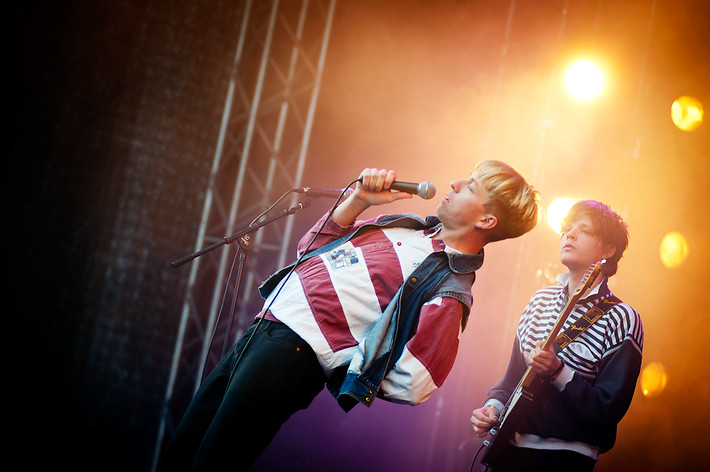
584,80
557,210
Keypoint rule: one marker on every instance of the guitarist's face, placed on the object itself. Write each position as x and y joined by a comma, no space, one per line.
581,246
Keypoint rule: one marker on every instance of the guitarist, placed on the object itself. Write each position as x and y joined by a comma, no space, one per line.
588,385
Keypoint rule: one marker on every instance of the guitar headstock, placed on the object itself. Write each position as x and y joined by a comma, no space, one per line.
589,277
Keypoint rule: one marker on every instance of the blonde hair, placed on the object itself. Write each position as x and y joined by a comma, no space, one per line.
511,199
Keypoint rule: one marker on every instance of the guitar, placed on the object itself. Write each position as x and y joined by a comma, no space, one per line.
529,384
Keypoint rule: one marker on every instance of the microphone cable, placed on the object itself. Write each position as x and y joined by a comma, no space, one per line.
226,288
283,281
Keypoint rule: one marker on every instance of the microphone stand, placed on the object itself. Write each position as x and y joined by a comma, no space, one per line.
241,233
245,241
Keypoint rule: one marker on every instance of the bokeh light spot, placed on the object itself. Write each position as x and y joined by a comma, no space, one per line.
687,113
653,379
673,249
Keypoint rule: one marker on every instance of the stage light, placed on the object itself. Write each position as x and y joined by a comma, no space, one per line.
687,113
556,211
673,249
584,80
653,379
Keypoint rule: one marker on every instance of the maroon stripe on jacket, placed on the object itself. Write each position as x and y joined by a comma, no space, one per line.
441,323
382,265
325,306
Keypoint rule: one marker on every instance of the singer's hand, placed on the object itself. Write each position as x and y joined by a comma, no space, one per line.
376,180
374,184
372,189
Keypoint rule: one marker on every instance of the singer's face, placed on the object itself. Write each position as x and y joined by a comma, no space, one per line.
464,204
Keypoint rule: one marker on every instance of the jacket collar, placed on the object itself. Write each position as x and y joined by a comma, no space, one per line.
465,263
459,263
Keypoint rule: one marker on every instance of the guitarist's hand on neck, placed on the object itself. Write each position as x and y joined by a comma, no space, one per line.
543,362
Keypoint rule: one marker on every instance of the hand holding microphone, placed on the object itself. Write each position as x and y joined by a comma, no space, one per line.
372,189
374,180
382,179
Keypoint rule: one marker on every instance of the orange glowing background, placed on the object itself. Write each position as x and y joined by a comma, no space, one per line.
430,93
119,112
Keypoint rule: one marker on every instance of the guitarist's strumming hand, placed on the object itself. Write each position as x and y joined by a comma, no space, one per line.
483,419
544,362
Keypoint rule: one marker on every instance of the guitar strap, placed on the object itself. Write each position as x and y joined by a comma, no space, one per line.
584,322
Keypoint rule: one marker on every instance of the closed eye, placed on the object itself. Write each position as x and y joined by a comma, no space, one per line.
472,185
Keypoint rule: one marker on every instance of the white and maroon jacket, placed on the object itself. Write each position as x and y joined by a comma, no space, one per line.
382,303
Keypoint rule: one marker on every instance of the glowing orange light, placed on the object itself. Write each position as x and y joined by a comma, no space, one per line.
557,210
584,80
687,113
673,249
653,379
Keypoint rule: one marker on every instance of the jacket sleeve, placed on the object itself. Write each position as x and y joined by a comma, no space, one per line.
429,354
606,400
329,232
499,394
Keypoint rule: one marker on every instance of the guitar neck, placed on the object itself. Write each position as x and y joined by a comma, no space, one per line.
530,376
560,322
527,387
583,286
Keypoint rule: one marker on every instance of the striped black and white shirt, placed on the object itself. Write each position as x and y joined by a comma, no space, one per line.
600,340
581,408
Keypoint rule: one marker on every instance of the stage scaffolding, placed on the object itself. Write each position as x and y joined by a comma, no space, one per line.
260,154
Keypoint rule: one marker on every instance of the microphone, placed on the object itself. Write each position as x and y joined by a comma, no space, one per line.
425,190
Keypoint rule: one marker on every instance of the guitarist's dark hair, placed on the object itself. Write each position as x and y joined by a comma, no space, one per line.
607,224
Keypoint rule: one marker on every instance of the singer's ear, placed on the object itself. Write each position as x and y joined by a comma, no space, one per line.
487,222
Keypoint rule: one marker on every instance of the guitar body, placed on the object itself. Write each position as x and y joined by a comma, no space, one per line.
524,394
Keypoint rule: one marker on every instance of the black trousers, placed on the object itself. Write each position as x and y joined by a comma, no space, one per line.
240,407
523,459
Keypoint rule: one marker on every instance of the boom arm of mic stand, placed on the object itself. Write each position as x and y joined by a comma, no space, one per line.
239,234
244,245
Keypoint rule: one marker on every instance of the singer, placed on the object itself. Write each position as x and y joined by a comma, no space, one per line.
373,310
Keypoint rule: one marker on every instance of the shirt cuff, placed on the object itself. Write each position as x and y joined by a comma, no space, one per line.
495,404
332,227
563,378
